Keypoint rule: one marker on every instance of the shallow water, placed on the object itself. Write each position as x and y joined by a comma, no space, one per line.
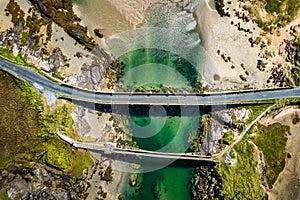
154,69
167,63
166,134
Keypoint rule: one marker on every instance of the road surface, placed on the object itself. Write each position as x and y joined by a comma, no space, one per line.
67,91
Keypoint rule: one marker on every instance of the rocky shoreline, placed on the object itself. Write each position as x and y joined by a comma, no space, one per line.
207,183
41,182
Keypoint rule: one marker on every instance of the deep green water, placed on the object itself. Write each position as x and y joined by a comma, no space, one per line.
160,131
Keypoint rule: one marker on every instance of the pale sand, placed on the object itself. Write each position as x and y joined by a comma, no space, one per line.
133,10
277,45
69,49
5,21
218,34
115,16
102,15
287,185
113,188
112,16
101,131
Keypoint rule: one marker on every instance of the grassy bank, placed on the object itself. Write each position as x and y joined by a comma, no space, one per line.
241,180
8,55
272,141
20,60
280,12
29,129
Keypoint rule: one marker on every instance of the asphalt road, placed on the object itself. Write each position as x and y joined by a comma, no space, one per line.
67,91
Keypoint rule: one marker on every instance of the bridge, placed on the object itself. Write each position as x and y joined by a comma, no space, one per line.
66,91
62,90
110,148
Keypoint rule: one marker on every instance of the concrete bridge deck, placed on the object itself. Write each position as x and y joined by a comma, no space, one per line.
110,148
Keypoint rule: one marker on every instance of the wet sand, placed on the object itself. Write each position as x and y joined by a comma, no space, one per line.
102,15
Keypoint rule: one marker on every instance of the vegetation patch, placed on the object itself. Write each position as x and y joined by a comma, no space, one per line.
280,12
272,141
241,180
256,111
18,122
24,39
28,129
8,55
3,194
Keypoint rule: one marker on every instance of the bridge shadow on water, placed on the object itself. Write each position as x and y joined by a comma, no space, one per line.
143,110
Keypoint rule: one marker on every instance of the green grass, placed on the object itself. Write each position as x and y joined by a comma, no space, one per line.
272,141
274,6
59,153
293,7
297,44
290,7
256,111
8,55
3,194
280,12
43,123
24,39
20,60
32,95
241,180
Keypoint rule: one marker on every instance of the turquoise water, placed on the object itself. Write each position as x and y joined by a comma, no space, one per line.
152,68
158,129
159,70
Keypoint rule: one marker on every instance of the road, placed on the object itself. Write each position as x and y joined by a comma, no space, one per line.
241,136
62,90
42,83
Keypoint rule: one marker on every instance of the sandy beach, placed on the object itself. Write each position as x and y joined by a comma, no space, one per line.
287,185
220,36
101,15
5,22
67,44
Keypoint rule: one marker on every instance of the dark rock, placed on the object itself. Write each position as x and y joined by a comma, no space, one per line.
95,74
56,60
4,173
55,10
98,33
79,55
219,4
